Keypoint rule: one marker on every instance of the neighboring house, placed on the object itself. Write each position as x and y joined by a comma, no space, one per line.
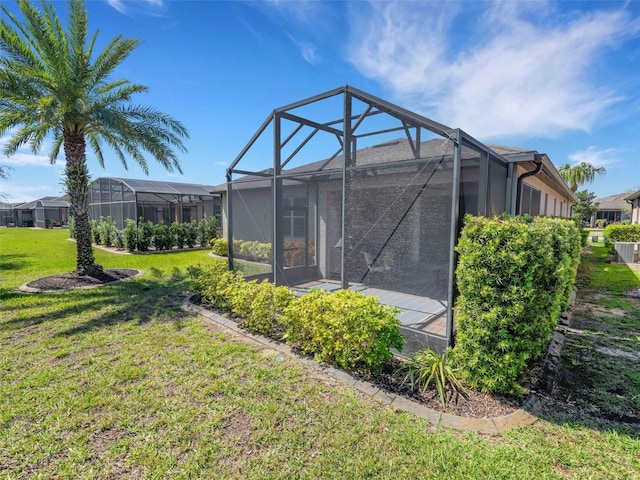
44,212
633,203
155,201
345,203
612,209
7,215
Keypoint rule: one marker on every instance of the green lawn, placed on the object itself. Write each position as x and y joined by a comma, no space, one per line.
120,382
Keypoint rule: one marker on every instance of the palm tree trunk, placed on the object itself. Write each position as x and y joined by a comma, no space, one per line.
77,183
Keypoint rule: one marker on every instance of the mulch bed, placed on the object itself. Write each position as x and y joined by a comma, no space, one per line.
70,281
390,379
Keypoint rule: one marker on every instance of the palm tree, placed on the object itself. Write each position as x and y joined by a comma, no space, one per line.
579,174
53,85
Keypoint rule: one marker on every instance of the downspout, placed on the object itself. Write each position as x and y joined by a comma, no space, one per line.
533,172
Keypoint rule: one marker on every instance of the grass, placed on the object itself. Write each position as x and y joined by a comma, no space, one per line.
120,382
602,352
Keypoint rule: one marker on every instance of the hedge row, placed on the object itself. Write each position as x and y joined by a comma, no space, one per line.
261,252
514,278
617,232
345,328
141,235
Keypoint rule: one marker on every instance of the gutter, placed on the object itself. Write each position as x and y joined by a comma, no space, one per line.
537,170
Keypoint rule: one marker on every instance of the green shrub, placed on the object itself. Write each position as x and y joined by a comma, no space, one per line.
617,232
93,231
163,238
253,250
207,231
130,234
601,223
345,328
584,236
514,278
221,247
191,233
216,283
145,235
179,234
426,367
118,238
72,227
260,305
106,230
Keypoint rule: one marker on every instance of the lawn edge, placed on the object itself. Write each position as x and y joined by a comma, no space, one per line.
524,416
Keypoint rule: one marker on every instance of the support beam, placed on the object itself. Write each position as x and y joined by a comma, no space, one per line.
310,123
345,184
453,239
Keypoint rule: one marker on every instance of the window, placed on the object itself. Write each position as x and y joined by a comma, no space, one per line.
294,213
530,200
546,204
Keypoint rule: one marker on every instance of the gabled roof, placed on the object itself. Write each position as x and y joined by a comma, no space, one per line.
45,201
171,188
632,196
400,150
613,202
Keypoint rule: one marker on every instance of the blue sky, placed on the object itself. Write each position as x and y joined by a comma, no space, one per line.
562,78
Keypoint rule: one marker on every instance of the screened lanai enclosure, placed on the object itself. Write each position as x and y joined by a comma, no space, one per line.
155,201
346,190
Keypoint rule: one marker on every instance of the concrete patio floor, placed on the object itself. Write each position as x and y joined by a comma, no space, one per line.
419,316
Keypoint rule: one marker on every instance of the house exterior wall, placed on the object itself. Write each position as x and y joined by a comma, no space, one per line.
552,203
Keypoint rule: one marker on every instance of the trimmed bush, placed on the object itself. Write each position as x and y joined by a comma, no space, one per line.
163,238
514,278
216,283
191,233
93,231
179,234
72,227
221,247
207,231
145,235
130,234
345,328
617,232
260,305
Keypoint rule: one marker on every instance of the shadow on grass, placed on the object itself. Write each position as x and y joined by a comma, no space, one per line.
138,301
14,262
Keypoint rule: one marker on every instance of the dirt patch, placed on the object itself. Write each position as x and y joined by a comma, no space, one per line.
71,281
616,352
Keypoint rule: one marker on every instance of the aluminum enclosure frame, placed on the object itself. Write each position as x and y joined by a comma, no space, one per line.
345,130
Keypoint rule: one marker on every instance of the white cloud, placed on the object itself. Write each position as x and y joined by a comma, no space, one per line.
26,159
514,71
122,5
117,4
23,157
596,157
26,193
307,50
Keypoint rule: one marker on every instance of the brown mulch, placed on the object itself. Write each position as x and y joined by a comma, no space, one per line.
476,404
389,379
70,281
